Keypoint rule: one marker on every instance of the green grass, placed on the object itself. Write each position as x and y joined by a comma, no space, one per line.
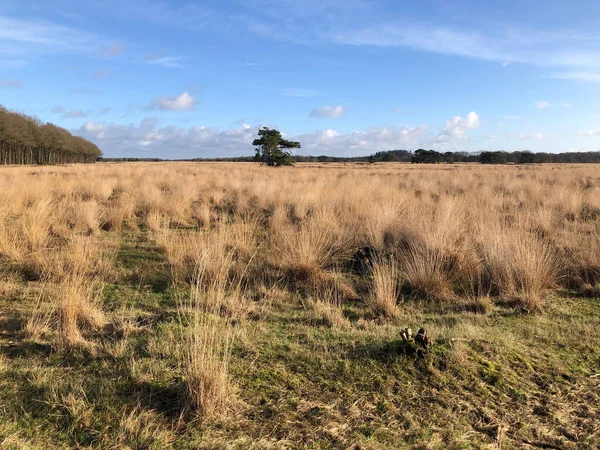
521,380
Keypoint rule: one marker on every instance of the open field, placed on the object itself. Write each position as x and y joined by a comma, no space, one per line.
236,306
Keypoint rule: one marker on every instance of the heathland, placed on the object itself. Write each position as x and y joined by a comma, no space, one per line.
224,305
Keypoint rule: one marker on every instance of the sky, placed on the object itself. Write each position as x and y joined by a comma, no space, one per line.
184,79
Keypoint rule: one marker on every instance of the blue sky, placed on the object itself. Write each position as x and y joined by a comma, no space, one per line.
180,79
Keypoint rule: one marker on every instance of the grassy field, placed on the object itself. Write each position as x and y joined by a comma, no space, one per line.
182,305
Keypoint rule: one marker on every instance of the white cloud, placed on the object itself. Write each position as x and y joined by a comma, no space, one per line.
57,110
457,127
93,127
148,139
332,112
182,102
543,104
151,140
363,142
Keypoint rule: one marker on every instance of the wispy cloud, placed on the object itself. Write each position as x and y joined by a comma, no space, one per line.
87,91
543,104
589,133
74,114
593,77
376,24
291,91
372,24
172,62
31,36
112,50
531,136
332,112
506,45
102,73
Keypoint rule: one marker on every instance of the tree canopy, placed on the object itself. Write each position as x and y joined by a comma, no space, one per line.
493,158
272,149
26,140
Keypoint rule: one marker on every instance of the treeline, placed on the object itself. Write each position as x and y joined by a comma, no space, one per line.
26,140
423,156
420,156
526,157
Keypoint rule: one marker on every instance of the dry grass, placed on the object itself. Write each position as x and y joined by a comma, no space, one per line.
519,230
385,288
292,251
305,250
78,307
216,308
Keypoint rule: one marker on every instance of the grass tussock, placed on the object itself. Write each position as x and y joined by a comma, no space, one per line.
386,292
522,267
304,251
215,310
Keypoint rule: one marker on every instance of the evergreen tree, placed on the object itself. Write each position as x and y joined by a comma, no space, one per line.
272,149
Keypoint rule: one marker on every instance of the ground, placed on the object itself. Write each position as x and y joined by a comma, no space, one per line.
491,378
499,266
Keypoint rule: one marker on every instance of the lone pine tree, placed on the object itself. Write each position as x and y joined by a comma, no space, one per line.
272,149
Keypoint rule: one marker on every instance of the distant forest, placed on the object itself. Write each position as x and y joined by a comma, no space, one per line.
420,156
26,140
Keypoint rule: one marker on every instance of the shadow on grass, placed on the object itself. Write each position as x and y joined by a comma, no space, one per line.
389,353
11,327
26,348
168,400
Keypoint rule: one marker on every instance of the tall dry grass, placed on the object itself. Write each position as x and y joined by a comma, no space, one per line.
211,317
386,293
443,232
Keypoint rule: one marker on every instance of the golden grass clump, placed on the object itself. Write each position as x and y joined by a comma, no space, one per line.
78,308
385,295
305,250
210,334
66,310
521,266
